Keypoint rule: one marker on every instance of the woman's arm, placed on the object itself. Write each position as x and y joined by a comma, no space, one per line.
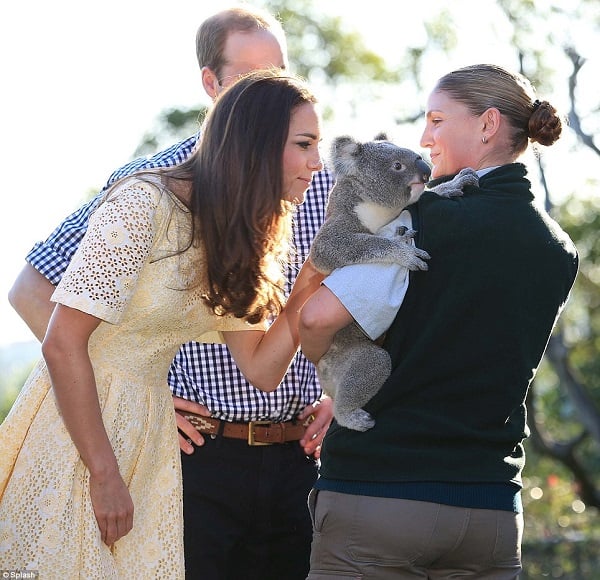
321,318
65,349
264,357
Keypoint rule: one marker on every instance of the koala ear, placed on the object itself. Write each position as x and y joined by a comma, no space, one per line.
340,143
343,152
381,136
344,146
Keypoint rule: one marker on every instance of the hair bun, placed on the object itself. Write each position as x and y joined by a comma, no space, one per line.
545,126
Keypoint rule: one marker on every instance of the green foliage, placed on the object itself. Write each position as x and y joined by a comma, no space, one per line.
561,533
581,320
7,397
568,559
171,125
333,57
321,47
441,32
16,362
551,502
10,385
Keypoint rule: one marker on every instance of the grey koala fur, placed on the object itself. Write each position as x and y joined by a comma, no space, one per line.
375,181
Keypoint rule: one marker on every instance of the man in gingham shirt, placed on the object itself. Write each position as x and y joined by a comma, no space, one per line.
244,504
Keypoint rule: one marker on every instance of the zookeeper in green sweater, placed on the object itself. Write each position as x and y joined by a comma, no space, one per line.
433,489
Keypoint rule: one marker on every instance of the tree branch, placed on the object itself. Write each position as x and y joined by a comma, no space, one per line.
557,355
574,122
563,452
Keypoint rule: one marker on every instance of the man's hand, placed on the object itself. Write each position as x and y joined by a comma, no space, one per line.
187,432
322,412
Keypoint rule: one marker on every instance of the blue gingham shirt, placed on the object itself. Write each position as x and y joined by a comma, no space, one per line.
206,373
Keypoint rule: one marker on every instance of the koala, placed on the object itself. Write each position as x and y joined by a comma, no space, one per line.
375,181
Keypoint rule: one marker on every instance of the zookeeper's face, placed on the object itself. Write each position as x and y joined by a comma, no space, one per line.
452,134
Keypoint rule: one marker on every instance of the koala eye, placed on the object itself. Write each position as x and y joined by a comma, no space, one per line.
399,166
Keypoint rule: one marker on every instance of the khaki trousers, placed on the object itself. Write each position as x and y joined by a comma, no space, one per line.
377,538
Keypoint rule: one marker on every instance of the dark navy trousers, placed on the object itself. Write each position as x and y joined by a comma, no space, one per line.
245,511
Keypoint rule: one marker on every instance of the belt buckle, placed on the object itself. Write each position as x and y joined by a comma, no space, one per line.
251,425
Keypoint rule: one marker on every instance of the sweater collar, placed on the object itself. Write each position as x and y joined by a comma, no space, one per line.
518,168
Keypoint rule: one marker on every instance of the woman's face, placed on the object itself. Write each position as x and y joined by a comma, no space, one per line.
301,156
452,134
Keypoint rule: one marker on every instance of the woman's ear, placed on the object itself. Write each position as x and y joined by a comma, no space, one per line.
490,119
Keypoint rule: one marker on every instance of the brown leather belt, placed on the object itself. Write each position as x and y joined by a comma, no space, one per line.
254,432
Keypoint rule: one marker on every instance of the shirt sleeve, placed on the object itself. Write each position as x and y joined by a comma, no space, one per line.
52,256
104,271
372,293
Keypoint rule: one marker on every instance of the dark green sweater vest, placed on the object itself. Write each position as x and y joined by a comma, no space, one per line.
465,344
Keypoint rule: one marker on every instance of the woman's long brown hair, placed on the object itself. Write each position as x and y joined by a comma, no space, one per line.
240,217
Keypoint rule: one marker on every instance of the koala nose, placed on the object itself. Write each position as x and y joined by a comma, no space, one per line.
424,170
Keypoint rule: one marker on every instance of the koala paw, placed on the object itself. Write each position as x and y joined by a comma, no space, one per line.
455,186
408,255
358,420
418,260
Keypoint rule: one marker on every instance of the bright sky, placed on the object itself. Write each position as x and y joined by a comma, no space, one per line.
83,81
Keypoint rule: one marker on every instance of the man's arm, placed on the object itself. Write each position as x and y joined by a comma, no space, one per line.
31,291
30,297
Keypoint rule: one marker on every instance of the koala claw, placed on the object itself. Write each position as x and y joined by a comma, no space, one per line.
418,260
418,265
455,186
422,254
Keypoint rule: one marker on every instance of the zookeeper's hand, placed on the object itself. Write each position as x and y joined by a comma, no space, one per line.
113,506
187,432
313,437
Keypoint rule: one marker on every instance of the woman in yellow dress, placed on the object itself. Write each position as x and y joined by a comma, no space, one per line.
90,481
